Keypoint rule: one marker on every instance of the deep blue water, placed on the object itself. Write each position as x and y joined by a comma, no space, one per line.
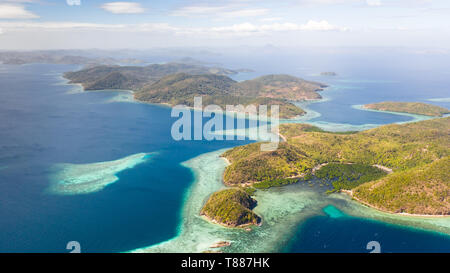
40,125
367,76
325,234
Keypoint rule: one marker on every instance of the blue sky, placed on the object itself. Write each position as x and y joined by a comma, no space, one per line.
46,24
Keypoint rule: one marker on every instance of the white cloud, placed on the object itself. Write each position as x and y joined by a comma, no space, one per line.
373,3
197,10
123,7
73,2
77,26
246,29
14,11
57,26
1,30
237,29
227,11
244,13
328,2
311,25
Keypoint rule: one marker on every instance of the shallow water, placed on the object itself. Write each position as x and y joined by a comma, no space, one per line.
284,209
44,122
312,117
72,179
351,234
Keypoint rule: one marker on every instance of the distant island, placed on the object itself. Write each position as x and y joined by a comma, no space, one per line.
190,60
135,77
328,74
395,168
61,57
417,108
176,83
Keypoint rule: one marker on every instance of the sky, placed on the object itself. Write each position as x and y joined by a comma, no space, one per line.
84,24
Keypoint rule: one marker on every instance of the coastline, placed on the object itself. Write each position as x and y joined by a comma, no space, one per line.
243,226
282,210
350,193
226,160
354,208
234,114
196,234
187,238
433,111
415,117
327,126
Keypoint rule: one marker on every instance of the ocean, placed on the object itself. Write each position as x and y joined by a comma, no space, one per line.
144,179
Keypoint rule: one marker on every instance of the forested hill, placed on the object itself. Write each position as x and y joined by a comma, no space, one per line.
418,108
231,208
221,90
282,87
413,156
176,84
135,77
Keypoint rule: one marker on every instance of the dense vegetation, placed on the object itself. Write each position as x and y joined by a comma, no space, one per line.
275,183
409,107
281,87
231,207
219,90
399,147
181,88
250,165
348,176
135,77
295,129
420,190
176,84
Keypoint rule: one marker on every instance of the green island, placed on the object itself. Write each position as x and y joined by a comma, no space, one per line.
231,208
177,84
135,77
61,57
417,108
397,168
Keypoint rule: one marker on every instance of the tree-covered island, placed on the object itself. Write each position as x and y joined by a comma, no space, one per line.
395,168
417,108
178,84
